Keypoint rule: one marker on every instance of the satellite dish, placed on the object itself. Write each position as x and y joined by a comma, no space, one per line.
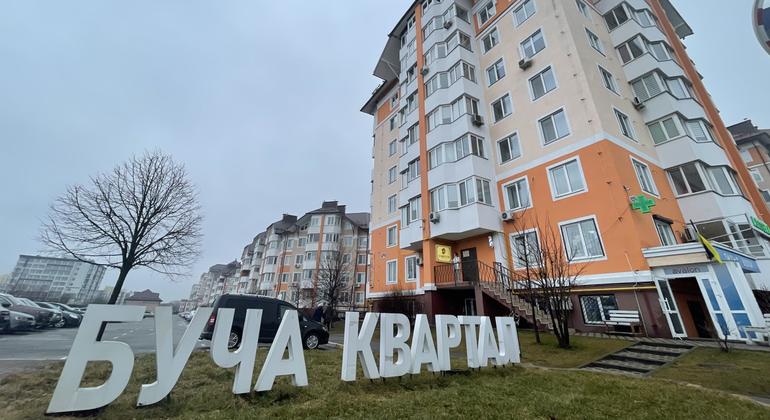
761,20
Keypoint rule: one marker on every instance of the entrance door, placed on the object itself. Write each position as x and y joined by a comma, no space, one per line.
470,265
469,307
668,304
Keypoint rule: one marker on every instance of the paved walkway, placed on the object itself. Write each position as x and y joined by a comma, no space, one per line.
688,342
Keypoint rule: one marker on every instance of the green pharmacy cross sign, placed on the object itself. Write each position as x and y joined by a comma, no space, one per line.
642,203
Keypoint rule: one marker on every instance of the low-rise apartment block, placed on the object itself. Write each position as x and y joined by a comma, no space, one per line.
500,125
55,279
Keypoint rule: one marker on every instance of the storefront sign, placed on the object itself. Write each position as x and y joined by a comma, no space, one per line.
748,265
686,269
761,226
397,358
443,253
642,203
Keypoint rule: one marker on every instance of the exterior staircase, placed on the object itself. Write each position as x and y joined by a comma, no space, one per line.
518,305
640,359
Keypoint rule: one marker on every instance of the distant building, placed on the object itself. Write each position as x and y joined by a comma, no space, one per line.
55,279
146,297
219,280
754,146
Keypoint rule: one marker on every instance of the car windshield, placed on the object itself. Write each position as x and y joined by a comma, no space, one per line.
12,299
29,302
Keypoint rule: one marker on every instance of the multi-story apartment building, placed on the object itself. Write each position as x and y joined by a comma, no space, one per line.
754,147
55,279
287,259
499,121
219,280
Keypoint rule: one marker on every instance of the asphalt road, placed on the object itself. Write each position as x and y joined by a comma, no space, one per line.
20,351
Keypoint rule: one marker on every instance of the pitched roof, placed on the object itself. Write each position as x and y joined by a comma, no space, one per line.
145,295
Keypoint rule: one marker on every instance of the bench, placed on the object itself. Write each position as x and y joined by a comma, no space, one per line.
628,319
762,332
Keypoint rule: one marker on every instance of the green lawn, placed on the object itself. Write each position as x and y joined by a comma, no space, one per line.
741,372
512,392
584,350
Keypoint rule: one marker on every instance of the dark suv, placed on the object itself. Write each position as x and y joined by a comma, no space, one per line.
313,333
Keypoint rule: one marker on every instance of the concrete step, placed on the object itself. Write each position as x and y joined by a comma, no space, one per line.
654,350
612,371
623,365
667,345
648,358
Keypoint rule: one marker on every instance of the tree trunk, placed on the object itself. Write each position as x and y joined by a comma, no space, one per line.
534,314
113,298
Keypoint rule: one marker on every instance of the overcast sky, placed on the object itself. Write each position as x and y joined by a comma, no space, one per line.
260,100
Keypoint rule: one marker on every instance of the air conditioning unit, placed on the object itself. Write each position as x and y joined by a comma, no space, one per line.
638,104
689,235
448,24
507,216
477,120
434,217
525,63
425,70
297,265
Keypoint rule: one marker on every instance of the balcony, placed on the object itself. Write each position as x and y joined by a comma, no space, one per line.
410,237
631,28
665,104
456,129
306,284
684,149
452,172
708,205
647,63
465,222
412,190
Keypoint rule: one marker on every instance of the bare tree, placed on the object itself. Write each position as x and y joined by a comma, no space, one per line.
550,271
144,213
332,280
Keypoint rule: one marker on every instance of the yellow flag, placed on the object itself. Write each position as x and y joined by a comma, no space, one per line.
711,252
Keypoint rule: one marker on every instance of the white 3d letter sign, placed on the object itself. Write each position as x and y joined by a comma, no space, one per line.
398,356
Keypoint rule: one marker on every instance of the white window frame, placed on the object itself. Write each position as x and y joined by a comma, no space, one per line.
493,34
634,163
540,76
552,184
360,277
514,254
388,236
393,199
486,9
392,174
500,99
595,42
514,135
657,222
756,175
550,115
416,269
608,78
392,147
507,200
585,248
516,22
494,66
583,9
395,271
619,116
522,51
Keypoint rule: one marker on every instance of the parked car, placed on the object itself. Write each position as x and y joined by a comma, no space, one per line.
5,320
313,333
57,320
42,316
71,319
21,322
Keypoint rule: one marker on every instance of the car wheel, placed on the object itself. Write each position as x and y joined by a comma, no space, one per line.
311,341
234,339
60,324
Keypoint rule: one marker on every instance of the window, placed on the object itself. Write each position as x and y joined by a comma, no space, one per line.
391,275
566,179
583,8
765,195
502,107
332,220
659,50
392,174
723,180
392,204
645,18
509,148
453,151
361,259
391,236
542,83
302,242
595,42
616,17
489,41
496,72
313,237
299,259
360,278
608,79
699,131
554,127
271,260
446,114
625,124
393,123
285,278
687,179
644,176
756,175
392,148
346,258
295,277
525,248
596,309
486,12
331,237
308,274
445,79
524,12
632,49
533,45
359,298
310,256
517,194
315,221
582,240
665,233
412,267
411,212
679,88
468,191
665,129
647,87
